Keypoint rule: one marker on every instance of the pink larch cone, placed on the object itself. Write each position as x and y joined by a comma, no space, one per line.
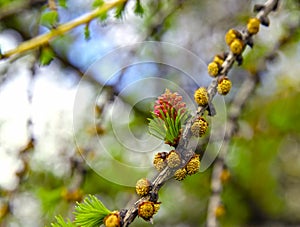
168,102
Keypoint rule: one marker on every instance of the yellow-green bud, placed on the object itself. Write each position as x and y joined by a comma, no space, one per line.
199,127
159,161
180,174
225,176
156,207
201,96
142,187
213,69
193,165
224,86
220,211
219,59
237,46
231,35
253,25
112,220
173,159
147,209
72,195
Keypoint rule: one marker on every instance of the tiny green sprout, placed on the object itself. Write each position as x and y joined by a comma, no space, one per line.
91,212
87,33
120,10
49,19
60,222
138,9
46,55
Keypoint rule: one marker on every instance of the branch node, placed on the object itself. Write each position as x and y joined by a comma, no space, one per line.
258,7
265,21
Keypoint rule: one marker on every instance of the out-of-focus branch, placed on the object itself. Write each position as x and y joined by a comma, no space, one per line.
16,7
235,110
156,29
247,89
62,29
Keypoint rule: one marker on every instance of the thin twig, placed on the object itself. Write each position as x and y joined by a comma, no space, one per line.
240,99
156,29
62,29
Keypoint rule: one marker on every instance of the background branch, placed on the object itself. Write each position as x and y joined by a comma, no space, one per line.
235,110
247,89
48,37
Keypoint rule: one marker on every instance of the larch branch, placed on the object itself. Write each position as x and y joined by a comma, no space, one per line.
185,141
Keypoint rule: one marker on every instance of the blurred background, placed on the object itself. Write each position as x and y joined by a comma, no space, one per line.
78,125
